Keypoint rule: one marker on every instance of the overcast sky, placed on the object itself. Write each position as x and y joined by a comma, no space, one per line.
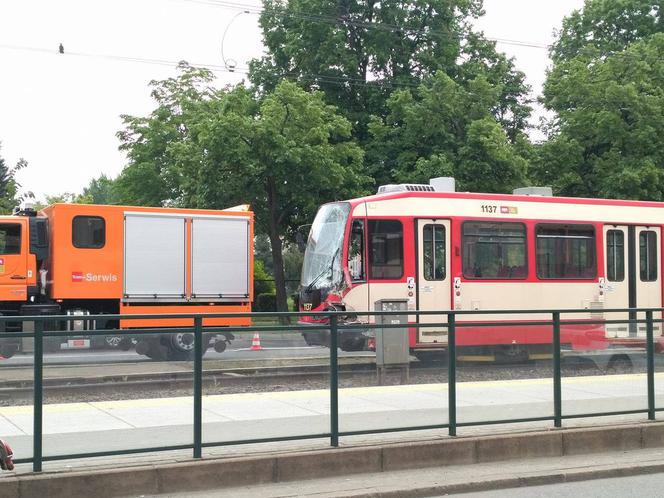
61,111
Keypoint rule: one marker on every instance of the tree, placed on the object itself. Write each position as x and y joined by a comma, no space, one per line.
444,129
10,197
606,90
285,154
358,52
153,142
100,190
605,27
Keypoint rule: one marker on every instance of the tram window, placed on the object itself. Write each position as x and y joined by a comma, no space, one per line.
566,251
385,249
494,250
648,255
10,238
615,255
356,251
434,252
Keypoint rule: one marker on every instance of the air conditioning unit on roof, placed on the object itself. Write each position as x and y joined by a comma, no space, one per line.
440,184
405,187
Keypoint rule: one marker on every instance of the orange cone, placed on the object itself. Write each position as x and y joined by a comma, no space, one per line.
256,343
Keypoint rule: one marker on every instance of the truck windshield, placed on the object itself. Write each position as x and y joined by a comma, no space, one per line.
322,258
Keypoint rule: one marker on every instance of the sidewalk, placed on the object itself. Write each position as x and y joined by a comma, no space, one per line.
454,479
74,428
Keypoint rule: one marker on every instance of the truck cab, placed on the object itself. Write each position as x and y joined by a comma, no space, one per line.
23,249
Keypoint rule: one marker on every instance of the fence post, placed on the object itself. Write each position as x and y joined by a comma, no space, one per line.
650,355
38,401
451,372
557,389
334,383
198,386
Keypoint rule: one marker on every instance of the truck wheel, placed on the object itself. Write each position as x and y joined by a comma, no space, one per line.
220,346
181,346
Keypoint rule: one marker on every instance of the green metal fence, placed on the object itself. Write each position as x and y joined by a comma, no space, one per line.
332,323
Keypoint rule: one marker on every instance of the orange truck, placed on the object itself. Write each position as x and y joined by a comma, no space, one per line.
78,259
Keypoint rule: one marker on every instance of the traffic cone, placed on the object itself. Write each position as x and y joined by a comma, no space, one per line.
256,343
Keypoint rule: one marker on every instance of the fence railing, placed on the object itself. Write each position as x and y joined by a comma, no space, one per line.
334,324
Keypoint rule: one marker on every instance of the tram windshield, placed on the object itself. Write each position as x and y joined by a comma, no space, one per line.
322,258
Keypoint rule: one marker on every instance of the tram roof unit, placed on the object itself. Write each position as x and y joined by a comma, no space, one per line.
422,203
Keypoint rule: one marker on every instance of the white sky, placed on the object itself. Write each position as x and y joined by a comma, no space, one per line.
61,112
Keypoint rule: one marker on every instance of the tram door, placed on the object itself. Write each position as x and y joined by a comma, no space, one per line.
632,273
433,287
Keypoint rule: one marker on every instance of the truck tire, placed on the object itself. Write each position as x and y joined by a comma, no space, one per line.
180,346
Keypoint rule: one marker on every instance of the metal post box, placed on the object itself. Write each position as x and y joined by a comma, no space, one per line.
392,343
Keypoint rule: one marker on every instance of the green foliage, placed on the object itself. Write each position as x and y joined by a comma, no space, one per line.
10,197
154,143
265,302
445,129
263,281
606,27
102,190
359,52
608,94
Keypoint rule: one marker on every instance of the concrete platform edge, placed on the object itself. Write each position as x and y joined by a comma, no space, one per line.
216,473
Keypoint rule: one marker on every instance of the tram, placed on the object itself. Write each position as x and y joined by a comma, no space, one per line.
438,249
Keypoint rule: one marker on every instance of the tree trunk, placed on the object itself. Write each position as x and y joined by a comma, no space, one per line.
276,246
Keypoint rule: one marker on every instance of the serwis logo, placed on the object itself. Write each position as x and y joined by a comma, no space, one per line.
79,276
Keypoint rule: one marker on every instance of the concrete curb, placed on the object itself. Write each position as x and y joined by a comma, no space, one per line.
540,479
216,473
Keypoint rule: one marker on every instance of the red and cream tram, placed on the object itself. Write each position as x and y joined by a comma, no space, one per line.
445,250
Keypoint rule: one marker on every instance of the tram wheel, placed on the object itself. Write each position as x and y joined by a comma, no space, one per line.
620,364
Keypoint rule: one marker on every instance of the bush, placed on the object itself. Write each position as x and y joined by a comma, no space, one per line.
266,302
263,281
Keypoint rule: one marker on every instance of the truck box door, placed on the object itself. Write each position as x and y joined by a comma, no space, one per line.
13,260
155,256
220,257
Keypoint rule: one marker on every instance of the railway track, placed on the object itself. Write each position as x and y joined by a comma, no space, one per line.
212,378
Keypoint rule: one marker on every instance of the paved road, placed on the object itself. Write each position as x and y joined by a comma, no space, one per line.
643,486
412,482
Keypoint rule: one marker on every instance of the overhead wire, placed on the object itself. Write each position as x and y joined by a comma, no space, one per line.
253,9
123,58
